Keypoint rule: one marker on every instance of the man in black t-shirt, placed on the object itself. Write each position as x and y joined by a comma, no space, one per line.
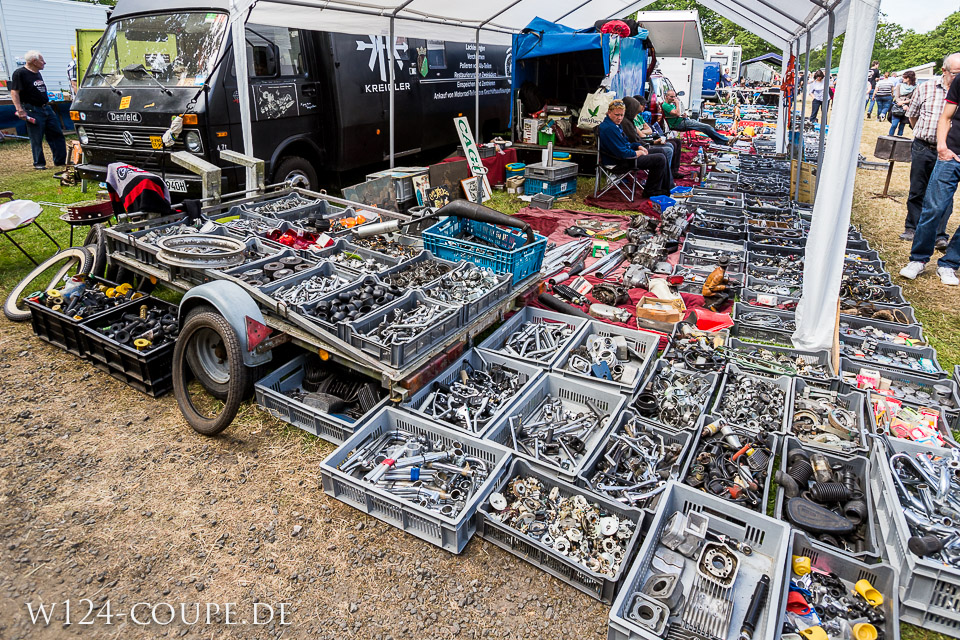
872,76
29,94
940,191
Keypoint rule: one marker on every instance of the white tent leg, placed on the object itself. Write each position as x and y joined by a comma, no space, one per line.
237,29
825,107
782,106
817,311
802,93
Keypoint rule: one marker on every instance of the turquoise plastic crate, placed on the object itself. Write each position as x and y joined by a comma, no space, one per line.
509,252
532,186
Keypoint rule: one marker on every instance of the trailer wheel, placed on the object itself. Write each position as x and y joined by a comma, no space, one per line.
208,350
298,172
76,260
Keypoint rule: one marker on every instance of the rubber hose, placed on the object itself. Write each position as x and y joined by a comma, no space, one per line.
827,492
801,472
551,302
855,511
924,545
480,213
790,488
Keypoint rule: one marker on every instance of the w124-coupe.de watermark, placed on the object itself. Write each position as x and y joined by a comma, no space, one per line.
86,612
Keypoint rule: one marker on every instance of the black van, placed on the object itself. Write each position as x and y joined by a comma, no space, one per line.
320,100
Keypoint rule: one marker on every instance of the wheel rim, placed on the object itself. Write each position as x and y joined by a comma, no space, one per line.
297,178
207,345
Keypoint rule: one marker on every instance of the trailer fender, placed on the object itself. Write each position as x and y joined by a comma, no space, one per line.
235,305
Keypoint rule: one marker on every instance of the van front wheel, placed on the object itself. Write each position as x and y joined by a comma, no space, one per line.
297,172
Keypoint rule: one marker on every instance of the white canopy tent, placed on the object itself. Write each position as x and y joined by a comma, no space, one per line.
796,26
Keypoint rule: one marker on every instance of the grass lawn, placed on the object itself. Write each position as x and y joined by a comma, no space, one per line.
881,221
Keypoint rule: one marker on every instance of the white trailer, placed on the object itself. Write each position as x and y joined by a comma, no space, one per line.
686,75
49,26
729,57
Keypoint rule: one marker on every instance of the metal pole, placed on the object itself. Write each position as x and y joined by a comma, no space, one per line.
393,97
476,79
238,33
831,24
803,114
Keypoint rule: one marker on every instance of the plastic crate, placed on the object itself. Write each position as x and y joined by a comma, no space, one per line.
735,203
695,276
643,343
402,354
496,340
893,296
871,549
325,269
150,372
929,590
898,312
423,256
686,440
831,382
271,394
575,394
506,250
479,361
781,303
885,348
475,308
554,173
850,368
342,246
712,378
769,538
852,401
683,330
746,330
236,272
60,329
578,576
121,238
717,193
881,575
944,424
451,534
783,382
341,329
704,231
294,213
559,188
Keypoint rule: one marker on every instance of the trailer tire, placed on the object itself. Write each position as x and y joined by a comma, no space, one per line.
297,171
12,308
195,334
219,390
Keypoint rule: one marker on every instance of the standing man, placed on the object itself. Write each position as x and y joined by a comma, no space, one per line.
872,76
29,94
940,191
924,113
725,79
676,121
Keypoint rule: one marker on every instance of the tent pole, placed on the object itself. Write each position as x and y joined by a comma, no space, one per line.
803,114
238,33
476,79
393,98
831,25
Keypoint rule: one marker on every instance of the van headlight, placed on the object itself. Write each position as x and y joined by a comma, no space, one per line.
192,142
82,134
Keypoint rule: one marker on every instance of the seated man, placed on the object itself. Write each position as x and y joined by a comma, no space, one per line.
615,149
647,128
631,125
676,121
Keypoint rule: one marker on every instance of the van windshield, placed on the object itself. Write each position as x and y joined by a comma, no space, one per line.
176,49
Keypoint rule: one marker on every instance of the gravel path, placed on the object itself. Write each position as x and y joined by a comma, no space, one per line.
108,495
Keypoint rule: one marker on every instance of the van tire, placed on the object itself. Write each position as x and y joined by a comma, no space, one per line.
297,168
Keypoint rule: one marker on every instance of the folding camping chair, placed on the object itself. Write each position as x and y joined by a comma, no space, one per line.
614,176
6,232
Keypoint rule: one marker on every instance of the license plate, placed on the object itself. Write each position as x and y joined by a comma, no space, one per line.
179,186
156,142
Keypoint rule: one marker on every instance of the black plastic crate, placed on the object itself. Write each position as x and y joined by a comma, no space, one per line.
60,329
149,371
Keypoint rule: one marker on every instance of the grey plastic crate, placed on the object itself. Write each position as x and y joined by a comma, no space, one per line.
712,377
727,194
474,308
687,441
733,202
344,246
597,585
699,274
850,368
642,342
769,538
479,361
401,354
236,272
831,381
898,313
783,382
575,394
496,340
856,255
885,349
324,269
882,576
852,401
451,534
750,331
929,590
559,171
870,550
684,330
945,423
342,329
783,303
423,256
271,394
913,331
293,213
714,245
791,277
705,231
893,296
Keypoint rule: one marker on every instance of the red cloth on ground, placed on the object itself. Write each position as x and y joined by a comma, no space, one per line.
552,222
614,201
496,165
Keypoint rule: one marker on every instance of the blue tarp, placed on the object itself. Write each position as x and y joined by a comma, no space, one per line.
544,38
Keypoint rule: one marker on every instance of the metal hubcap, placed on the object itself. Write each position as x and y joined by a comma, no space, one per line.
212,356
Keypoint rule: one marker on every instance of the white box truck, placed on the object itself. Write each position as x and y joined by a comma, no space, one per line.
686,75
678,38
728,55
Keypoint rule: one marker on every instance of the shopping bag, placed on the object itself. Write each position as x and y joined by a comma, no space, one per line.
595,109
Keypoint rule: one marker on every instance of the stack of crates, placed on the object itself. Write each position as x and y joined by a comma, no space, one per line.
557,180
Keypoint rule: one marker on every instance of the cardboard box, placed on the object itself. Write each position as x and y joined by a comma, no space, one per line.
661,310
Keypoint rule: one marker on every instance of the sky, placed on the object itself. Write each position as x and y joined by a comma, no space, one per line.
905,13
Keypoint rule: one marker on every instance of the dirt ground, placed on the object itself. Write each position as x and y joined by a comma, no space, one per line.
109,498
